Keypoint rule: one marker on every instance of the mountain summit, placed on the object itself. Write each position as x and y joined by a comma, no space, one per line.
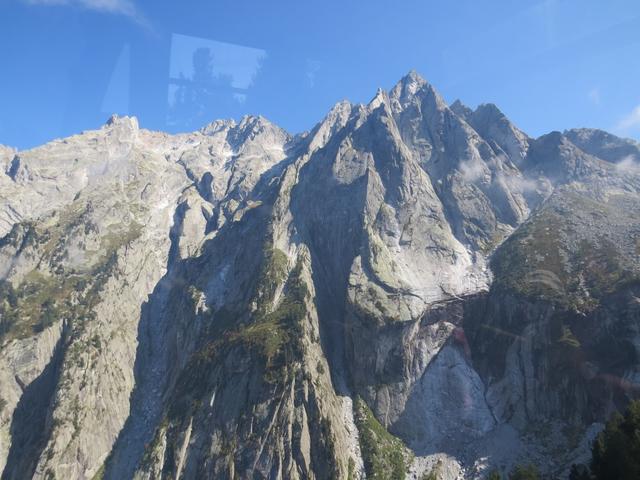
410,287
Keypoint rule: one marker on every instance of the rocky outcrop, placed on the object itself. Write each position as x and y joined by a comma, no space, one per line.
604,145
409,287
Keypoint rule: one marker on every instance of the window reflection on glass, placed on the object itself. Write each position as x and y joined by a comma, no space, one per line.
116,98
209,79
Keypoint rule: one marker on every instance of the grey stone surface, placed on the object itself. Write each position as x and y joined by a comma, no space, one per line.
209,305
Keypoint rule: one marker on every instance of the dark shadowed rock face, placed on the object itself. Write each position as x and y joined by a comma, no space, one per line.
409,286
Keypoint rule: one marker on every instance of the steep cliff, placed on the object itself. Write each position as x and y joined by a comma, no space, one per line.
409,287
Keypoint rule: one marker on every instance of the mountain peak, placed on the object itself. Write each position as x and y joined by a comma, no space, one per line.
413,78
408,85
403,235
249,125
254,121
217,125
380,98
255,124
460,109
603,144
489,109
413,85
117,120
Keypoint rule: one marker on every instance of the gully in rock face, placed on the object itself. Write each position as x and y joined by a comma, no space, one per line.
408,289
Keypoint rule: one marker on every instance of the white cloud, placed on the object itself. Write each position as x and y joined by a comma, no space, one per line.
630,122
472,170
520,183
116,7
594,96
628,165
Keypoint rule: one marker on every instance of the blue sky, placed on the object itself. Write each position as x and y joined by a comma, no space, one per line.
549,65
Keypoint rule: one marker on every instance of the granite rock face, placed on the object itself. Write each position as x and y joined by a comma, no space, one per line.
408,287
